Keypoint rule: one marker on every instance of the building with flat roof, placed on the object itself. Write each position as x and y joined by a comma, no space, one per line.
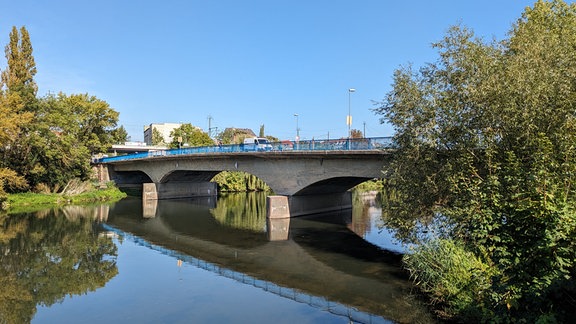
163,128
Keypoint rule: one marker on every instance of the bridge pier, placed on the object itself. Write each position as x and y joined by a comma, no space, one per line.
277,218
174,190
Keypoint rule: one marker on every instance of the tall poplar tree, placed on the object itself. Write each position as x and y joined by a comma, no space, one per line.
19,100
17,97
19,76
17,87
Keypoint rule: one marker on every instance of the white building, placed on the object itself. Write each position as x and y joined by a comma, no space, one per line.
164,128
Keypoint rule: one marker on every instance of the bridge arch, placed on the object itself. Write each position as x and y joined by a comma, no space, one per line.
129,178
331,185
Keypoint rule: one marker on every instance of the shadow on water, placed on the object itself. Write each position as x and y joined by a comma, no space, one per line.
322,257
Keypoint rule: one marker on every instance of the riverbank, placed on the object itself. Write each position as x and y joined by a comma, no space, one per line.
29,201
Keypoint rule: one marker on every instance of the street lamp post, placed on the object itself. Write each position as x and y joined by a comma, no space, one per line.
349,117
297,129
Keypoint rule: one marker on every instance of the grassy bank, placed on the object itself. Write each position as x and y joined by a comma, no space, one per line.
27,202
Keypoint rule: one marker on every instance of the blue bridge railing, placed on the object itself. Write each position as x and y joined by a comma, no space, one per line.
353,144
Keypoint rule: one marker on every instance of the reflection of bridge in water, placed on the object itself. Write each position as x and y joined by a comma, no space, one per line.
322,303
323,264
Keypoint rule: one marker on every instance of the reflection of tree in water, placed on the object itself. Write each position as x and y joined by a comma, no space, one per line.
361,218
46,256
242,211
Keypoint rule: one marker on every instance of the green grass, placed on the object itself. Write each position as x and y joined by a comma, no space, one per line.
28,202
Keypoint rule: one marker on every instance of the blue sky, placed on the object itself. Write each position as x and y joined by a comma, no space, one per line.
244,63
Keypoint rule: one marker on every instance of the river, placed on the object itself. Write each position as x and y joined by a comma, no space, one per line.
203,260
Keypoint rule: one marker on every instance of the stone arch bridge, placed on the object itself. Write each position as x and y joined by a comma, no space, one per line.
313,181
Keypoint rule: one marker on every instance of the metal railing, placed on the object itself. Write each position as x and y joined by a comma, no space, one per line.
353,144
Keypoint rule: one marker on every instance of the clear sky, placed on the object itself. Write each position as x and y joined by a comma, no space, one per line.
245,63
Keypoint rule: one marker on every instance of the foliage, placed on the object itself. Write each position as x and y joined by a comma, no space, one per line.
19,76
236,181
86,117
486,138
261,132
12,117
10,181
119,135
354,133
48,141
58,145
190,135
451,276
17,92
157,137
235,135
371,185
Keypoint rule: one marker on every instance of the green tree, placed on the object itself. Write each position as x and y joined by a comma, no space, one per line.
485,138
119,135
261,133
48,141
19,76
238,181
157,137
12,117
17,96
58,145
88,118
10,181
235,135
193,136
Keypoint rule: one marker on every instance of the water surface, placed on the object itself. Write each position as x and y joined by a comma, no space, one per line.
202,261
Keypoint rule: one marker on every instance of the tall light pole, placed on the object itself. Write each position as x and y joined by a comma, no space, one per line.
297,129
349,117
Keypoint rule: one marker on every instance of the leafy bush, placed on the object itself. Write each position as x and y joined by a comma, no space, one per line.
454,278
10,181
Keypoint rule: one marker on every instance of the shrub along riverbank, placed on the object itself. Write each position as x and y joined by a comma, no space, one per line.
29,201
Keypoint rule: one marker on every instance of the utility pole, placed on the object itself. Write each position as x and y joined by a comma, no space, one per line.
364,133
349,117
211,133
209,126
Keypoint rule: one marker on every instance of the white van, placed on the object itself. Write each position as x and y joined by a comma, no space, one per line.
256,144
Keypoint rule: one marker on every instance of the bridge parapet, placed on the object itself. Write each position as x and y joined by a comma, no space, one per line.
351,144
